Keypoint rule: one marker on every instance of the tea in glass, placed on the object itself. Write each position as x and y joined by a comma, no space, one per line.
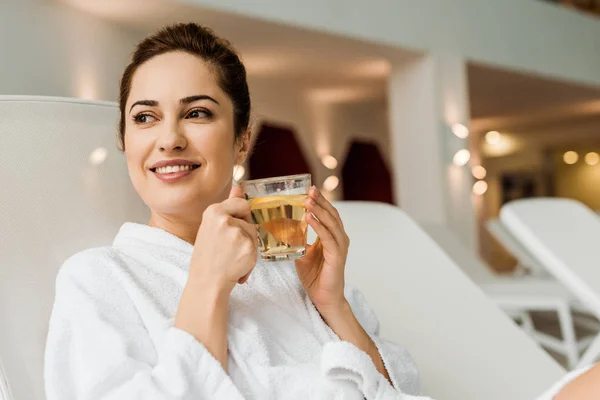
278,211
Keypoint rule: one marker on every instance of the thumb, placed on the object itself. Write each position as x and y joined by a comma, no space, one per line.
236,191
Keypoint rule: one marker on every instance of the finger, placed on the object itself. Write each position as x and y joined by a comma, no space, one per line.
318,197
236,191
327,220
327,239
237,207
247,228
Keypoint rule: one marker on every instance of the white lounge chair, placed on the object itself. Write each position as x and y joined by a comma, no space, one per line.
4,387
54,203
540,282
526,263
466,348
518,295
563,235
58,203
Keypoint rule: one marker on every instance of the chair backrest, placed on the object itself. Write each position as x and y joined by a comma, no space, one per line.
54,203
469,263
510,244
465,347
564,236
4,386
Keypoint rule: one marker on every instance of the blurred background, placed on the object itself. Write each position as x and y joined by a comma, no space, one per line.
448,109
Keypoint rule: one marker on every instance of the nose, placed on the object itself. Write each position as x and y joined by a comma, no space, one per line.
172,140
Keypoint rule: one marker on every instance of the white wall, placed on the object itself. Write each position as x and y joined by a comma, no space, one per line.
428,96
51,49
321,127
519,34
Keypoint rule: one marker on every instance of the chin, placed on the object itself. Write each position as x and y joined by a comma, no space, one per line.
176,202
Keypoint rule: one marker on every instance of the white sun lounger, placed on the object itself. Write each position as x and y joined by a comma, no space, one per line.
518,295
55,202
564,236
466,347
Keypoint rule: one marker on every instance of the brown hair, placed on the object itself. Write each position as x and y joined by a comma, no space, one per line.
202,42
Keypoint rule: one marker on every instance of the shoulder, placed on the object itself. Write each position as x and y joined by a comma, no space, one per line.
88,268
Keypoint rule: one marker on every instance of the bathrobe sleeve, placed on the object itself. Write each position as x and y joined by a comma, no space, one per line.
99,348
343,360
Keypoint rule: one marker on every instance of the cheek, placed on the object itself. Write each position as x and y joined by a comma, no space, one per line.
135,164
218,150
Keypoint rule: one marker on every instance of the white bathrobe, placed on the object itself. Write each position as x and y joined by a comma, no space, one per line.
111,334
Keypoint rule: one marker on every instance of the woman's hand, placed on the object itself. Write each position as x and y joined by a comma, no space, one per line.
225,252
321,270
226,247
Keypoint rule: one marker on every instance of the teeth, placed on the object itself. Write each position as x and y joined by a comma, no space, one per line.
173,168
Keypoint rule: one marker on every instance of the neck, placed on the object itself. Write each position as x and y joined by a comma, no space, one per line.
183,224
185,228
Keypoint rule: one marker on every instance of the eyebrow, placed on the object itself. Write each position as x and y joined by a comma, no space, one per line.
150,103
185,100
191,99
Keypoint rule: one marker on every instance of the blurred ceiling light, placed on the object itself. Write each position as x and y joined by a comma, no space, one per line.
329,161
570,157
238,172
460,131
480,187
85,83
461,157
592,158
479,172
508,144
98,156
339,94
370,69
493,137
331,183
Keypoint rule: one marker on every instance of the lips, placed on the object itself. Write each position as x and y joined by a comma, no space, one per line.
172,163
173,170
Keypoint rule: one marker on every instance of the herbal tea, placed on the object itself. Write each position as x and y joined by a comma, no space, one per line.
281,226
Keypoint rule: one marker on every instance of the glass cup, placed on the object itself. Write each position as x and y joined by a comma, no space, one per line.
278,210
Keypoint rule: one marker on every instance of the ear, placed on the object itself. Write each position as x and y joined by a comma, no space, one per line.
242,147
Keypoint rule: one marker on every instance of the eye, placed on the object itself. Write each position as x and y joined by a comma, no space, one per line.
143,118
198,113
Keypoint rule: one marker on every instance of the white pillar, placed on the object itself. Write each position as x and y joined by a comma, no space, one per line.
427,96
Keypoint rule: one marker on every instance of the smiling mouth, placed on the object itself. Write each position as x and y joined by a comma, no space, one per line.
171,169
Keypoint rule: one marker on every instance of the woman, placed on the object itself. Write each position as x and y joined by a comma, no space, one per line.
179,308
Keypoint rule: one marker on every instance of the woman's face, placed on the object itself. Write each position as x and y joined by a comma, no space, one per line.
179,135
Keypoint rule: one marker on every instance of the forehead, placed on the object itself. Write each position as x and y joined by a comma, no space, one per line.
172,76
